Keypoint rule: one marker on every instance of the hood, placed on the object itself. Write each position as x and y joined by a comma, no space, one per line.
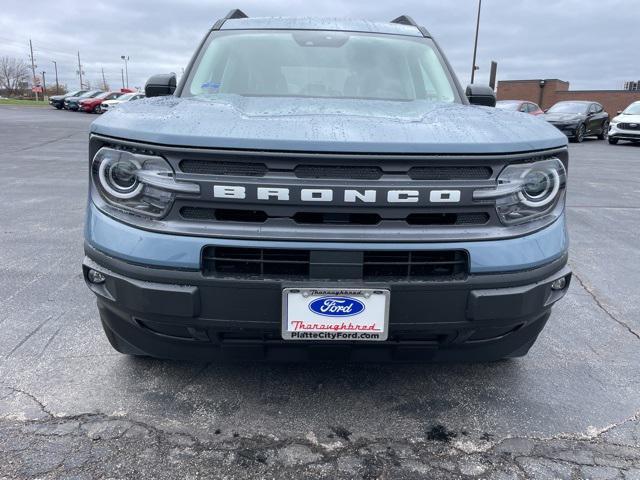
563,117
627,118
57,97
336,125
74,99
113,101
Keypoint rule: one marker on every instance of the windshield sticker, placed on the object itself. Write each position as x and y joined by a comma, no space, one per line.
210,87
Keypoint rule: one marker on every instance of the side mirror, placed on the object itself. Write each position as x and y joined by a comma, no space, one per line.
160,85
619,112
481,95
545,110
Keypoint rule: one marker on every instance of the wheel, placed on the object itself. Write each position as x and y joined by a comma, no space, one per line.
59,107
605,131
97,109
580,133
613,141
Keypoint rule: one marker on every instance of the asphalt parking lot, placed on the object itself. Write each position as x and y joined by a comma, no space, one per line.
70,407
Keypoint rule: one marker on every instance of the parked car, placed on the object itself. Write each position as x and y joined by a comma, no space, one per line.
626,126
58,100
73,103
247,212
92,105
579,119
126,97
523,106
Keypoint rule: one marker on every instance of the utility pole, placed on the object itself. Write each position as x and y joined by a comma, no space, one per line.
104,82
122,73
55,64
33,68
475,45
126,68
80,69
44,86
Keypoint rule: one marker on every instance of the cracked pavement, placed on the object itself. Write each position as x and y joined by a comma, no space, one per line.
72,408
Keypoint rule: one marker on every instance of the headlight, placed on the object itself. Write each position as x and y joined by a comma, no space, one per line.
140,184
527,191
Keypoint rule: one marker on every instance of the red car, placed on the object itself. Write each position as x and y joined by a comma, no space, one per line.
92,105
523,106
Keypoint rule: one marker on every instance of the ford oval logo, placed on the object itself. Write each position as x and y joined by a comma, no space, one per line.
336,306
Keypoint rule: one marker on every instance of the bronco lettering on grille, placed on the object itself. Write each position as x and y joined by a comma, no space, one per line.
283,194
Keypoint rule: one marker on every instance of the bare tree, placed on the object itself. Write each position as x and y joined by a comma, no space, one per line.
13,74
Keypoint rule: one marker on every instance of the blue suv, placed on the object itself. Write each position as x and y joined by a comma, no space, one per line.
324,190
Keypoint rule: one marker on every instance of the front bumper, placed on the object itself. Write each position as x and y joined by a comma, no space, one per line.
568,129
156,300
623,134
183,315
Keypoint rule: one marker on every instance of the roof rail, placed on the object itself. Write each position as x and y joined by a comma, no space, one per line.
407,20
235,13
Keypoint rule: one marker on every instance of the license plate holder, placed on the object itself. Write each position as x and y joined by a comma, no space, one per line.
335,314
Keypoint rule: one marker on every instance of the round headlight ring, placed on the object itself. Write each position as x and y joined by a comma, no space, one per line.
546,196
110,183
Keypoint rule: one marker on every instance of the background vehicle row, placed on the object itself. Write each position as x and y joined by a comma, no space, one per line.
92,101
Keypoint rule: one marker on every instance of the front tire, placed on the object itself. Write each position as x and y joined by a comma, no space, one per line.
97,109
580,133
605,131
613,141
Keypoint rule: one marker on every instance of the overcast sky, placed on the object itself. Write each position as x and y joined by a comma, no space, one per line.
592,44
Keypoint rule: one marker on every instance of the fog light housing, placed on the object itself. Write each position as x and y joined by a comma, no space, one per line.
95,277
559,284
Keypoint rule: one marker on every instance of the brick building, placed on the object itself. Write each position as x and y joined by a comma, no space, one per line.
549,91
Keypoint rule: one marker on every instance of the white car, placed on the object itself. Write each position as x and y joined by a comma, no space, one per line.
626,126
127,97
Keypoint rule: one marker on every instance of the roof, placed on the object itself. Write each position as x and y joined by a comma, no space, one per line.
309,23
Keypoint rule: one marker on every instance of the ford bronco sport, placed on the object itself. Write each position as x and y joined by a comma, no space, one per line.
324,190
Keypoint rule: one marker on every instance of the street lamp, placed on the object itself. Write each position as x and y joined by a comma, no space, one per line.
126,69
474,67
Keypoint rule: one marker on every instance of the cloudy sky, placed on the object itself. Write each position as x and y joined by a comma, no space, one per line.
592,44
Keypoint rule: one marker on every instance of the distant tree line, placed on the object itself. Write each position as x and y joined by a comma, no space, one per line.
15,76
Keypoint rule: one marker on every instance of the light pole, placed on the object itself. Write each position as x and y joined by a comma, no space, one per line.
475,45
126,69
44,87
55,64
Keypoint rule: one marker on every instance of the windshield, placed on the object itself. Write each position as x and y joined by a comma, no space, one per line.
300,63
508,105
569,107
126,96
633,109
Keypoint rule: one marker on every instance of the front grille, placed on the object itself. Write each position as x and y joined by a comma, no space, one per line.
332,218
334,196
239,169
339,172
255,262
629,126
415,265
223,214
302,264
450,173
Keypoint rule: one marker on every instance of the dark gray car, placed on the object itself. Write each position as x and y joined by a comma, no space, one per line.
579,119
